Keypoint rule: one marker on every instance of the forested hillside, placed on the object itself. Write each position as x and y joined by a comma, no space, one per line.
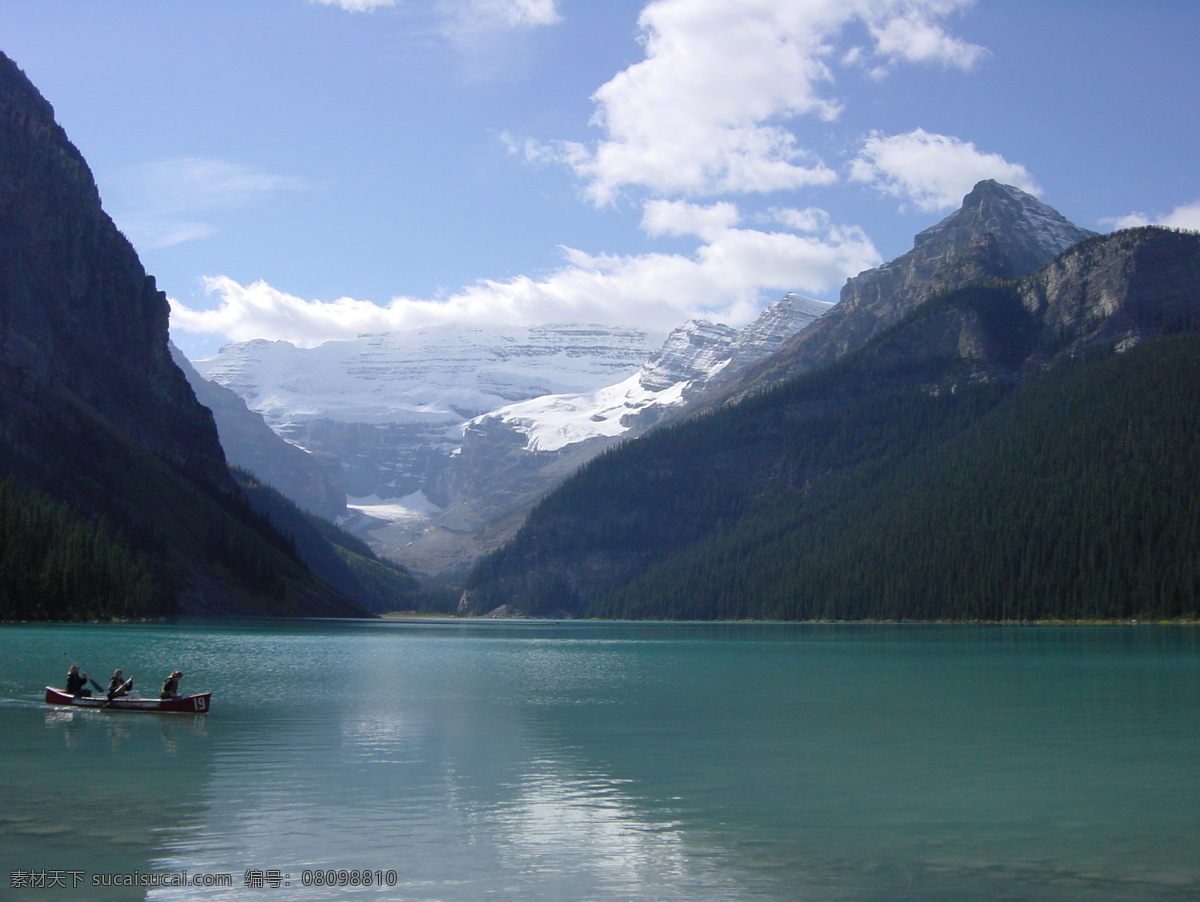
1005,452
1071,498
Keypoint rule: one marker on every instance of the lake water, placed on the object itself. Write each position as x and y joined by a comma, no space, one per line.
570,762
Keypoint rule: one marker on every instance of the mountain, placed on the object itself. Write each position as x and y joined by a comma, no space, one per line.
999,232
511,457
695,357
309,479
391,406
448,435
114,490
1003,449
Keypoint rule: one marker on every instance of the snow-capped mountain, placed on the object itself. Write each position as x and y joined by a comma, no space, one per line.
438,374
446,430
392,406
514,455
693,357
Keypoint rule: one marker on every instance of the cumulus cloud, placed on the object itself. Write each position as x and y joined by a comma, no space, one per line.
154,203
707,111
932,171
1183,217
915,38
726,279
675,217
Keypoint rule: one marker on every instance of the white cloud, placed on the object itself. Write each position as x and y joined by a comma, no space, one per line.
158,234
486,15
490,36
707,111
810,219
1184,217
727,279
932,171
676,217
914,38
154,203
358,6
192,183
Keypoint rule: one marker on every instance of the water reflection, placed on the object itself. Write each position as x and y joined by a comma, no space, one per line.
78,725
603,762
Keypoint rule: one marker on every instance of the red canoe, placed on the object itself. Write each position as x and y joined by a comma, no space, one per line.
188,704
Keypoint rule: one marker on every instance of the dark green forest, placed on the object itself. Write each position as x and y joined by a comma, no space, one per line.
59,564
56,565
143,533
1071,495
344,561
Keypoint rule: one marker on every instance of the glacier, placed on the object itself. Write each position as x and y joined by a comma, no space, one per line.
452,429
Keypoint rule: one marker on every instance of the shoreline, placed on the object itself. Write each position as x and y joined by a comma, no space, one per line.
420,617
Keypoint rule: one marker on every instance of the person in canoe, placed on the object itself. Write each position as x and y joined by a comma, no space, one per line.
118,685
170,687
77,682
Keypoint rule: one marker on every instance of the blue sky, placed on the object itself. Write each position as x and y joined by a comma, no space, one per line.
314,169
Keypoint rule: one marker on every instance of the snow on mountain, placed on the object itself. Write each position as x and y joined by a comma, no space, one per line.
552,422
392,406
693,356
446,432
441,374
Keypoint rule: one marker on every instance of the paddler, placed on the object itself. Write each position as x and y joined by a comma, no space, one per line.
170,687
77,682
118,685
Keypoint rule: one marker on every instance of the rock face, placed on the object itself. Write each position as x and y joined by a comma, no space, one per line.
693,351
1114,292
1000,232
1100,296
311,479
96,415
80,321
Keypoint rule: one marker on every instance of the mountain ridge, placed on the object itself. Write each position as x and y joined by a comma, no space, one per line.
674,519
999,232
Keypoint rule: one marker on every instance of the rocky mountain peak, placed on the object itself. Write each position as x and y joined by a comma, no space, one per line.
992,211
775,325
690,352
999,232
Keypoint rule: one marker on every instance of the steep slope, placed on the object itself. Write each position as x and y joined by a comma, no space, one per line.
76,303
98,425
310,479
1009,450
340,559
999,232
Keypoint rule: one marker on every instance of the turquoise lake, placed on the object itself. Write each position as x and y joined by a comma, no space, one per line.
570,762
